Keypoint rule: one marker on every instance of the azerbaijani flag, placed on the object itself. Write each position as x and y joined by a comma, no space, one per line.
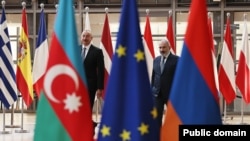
193,98
64,112
23,74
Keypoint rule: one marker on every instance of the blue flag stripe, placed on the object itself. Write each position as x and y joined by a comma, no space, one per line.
42,30
198,88
8,93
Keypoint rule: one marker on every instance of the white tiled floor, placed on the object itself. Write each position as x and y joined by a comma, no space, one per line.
26,132
20,133
29,123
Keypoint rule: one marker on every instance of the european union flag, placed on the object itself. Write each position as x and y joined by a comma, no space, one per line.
128,112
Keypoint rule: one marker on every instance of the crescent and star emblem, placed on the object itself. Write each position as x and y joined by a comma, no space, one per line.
72,101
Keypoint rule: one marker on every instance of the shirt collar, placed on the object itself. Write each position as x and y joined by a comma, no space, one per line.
87,47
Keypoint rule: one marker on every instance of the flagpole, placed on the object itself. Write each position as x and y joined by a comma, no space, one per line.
242,113
4,131
225,112
22,130
12,108
245,91
56,6
12,120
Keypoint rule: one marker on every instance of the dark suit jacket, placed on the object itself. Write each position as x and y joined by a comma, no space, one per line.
94,70
162,82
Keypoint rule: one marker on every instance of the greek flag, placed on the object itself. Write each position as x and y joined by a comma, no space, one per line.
8,89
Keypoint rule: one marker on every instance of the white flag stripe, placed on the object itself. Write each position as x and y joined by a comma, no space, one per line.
149,58
245,46
40,63
4,37
6,93
41,55
243,71
215,71
8,55
228,64
4,25
7,74
108,61
87,22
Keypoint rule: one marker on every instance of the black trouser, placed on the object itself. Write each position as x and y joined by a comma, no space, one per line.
159,104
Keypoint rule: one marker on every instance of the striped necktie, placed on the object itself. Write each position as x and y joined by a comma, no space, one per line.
83,53
162,63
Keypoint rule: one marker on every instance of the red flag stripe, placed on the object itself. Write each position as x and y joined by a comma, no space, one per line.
226,68
213,51
148,46
243,72
106,45
170,33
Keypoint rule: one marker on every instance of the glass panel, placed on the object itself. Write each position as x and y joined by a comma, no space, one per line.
115,1
147,1
181,22
97,22
158,29
239,21
93,1
14,25
165,1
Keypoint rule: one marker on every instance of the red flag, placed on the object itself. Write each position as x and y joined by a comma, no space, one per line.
64,112
226,68
148,46
210,29
195,102
243,72
23,75
170,33
107,48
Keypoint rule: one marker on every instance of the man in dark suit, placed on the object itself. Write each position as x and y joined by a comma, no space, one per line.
162,77
93,61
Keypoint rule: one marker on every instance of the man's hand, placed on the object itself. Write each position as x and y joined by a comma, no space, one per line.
99,93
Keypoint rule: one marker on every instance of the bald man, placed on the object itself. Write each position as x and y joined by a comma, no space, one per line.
93,62
162,77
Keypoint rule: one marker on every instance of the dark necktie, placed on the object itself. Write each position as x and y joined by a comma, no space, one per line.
162,63
83,53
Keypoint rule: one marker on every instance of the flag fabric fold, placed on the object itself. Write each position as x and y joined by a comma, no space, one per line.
226,73
8,88
243,71
64,105
148,46
41,55
87,21
210,29
128,111
23,74
170,33
193,97
107,48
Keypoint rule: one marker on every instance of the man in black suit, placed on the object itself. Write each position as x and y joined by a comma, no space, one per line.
162,77
93,61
